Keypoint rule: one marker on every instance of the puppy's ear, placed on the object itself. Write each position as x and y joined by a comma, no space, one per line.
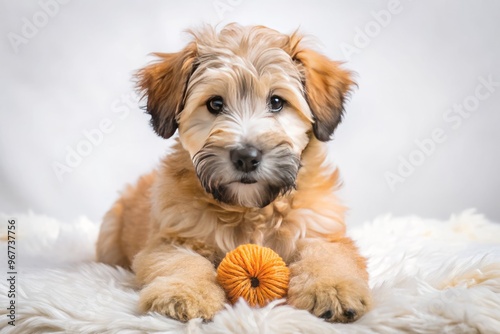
164,84
326,87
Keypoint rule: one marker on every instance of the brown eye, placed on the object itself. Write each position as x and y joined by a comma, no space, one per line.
215,104
276,104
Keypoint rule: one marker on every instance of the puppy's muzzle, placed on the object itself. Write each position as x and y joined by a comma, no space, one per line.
245,175
246,159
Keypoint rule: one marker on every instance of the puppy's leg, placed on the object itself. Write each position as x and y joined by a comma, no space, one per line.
330,280
109,243
125,227
177,282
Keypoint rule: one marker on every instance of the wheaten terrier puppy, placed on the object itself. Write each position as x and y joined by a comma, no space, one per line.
253,109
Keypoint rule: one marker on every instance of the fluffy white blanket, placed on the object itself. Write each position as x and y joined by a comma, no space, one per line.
428,276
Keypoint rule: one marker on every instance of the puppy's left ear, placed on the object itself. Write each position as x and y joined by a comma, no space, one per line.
164,84
326,87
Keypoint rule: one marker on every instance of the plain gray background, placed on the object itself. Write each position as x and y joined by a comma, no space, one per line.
72,74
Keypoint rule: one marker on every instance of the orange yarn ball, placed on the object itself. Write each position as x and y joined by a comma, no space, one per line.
253,272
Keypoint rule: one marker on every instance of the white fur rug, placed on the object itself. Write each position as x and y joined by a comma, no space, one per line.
428,276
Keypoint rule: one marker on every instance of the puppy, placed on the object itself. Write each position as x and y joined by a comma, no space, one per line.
253,109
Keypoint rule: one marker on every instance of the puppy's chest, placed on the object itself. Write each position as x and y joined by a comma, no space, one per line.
262,227
257,228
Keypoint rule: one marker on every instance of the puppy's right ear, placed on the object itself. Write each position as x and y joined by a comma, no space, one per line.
164,84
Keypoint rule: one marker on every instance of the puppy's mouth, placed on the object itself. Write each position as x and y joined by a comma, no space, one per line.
245,179
248,180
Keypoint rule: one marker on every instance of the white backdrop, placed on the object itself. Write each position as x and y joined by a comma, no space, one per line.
420,134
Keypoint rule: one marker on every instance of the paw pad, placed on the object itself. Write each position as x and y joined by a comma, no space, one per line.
350,314
327,315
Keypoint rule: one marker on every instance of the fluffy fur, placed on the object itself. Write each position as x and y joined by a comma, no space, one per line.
428,276
177,223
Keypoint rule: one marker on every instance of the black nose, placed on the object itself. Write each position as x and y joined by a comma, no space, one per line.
246,159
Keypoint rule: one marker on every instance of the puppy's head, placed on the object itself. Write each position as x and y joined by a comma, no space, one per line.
246,102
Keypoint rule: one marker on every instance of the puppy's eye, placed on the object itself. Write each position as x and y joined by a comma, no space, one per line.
215,104
276,103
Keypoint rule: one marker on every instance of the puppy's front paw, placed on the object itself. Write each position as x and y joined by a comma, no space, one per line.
335,300
182,300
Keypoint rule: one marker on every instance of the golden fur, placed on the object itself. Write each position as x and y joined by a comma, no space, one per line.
177,223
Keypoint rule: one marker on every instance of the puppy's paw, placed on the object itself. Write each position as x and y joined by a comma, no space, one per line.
333,299
182,300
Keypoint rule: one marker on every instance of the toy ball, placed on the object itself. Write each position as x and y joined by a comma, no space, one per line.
255,273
